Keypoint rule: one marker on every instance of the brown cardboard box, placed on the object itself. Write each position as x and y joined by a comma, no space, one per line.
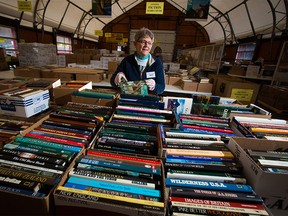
112,66
244,91
213,78
97,77
272,187
94,101
205,87
237,70
63,93
174,80
189,85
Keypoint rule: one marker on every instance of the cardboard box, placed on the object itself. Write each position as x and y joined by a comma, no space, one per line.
213,78
94,101
237,70
244,91
189,85
173,80
112,66
25,105
63,93
272,187
205,87
71,205
17,204
252,70
97,77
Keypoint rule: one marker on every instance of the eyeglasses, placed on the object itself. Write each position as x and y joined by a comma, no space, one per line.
144,42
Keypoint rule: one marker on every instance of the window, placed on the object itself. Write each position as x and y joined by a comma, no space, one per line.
8,41
64,45
245,52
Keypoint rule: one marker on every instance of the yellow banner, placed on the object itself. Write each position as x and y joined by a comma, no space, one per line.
25,6
242,94
2,40
98,32
154,7
107,35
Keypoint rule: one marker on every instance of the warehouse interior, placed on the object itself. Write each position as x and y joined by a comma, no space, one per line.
232,51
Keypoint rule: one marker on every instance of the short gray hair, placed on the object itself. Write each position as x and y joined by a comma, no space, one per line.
142,33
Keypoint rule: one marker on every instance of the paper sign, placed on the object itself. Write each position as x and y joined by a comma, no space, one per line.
242,94
25,6
154,7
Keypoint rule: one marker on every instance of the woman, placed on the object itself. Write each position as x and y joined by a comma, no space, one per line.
141,65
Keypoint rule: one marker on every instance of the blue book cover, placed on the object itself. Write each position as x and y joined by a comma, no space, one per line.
180,160
21,191
209,185
198,158
114,186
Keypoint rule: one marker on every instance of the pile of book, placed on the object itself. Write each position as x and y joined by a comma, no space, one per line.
205,124
270,161
116,183
145,110
32,167
129,138
210,105
204,177
106,93
9,129
272,129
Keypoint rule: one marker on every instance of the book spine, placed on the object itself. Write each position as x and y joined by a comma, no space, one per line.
188,152
50,152
21,191
115,186
208,128
201,211
89,175
47,144
32,162
192,136
111,192
191,161
64,133
122,157
207,178
29,176
198,158
180,201
54,139
28,155
115,171
112,164
215,195
19,183
209,185
48,170
202,167
116,200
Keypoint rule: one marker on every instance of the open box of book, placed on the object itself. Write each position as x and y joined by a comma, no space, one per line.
112,191
265,172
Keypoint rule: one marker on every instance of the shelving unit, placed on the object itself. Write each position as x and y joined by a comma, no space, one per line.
205,57
280,76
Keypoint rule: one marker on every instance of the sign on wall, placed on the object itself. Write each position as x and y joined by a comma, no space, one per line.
154,7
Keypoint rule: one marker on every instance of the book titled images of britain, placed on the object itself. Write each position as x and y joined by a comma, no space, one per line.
116,179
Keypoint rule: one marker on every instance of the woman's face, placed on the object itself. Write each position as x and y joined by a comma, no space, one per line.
143,46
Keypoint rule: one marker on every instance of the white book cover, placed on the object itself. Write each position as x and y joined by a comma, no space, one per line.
180,104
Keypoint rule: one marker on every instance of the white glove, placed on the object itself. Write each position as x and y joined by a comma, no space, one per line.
151,84
119,77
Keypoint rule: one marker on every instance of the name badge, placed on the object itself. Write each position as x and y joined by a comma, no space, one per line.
150,74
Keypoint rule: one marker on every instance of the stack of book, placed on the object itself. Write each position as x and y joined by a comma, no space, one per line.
270,161
33,167
203,177
272,129
209,105
128,138
9,129
151,114
205,124
116,183
104,93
